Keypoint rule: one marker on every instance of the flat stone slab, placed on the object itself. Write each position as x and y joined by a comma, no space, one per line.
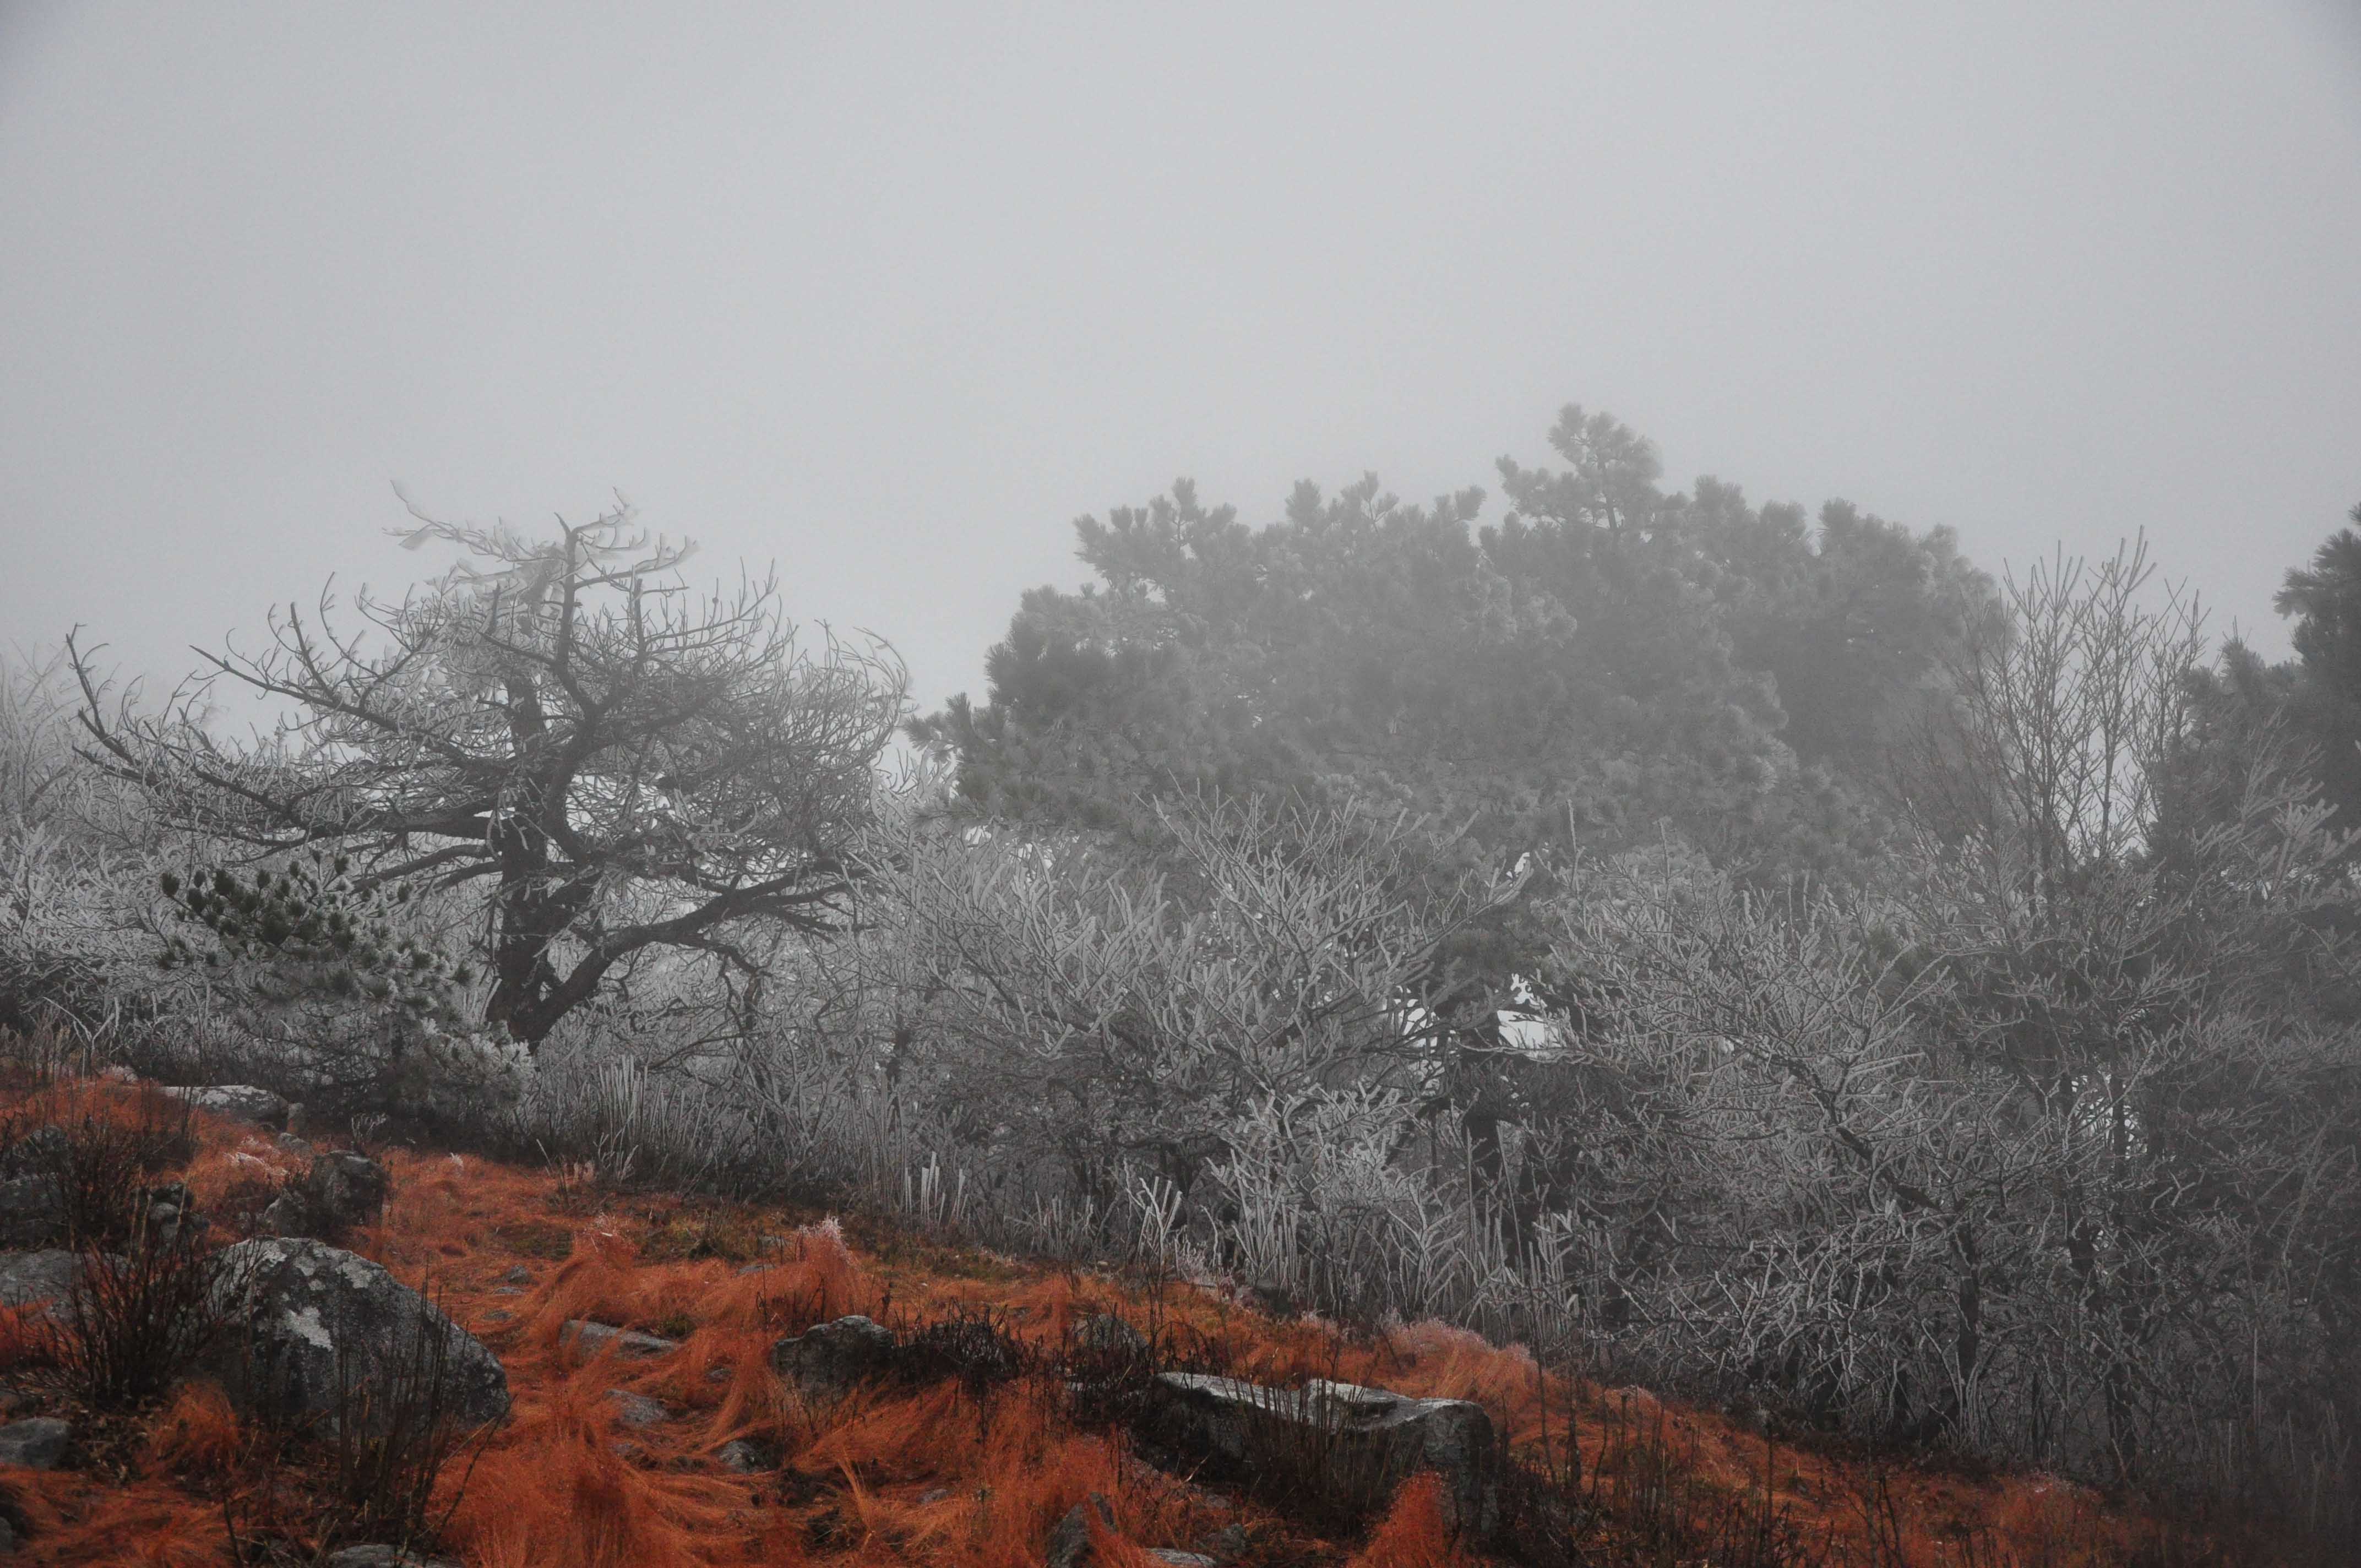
238,1102
1236,1420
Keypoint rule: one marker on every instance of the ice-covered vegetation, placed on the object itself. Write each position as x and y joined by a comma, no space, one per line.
1952,1040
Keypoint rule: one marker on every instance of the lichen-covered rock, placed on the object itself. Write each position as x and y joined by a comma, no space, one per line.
829,1360
238,1102
384,1557
316,1321
1361,1430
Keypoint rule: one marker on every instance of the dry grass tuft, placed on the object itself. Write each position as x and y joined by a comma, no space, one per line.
197,1435
1413,1533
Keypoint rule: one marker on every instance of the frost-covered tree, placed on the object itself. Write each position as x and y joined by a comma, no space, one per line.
616,762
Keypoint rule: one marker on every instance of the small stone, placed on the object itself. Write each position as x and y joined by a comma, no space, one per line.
286,1215
742,1456
494,1315
637,1409
294,1145
1226,1544
588,1338
520,1275
1069,1541
37,1443
934,1495
1179,1558
384,1557
754,1268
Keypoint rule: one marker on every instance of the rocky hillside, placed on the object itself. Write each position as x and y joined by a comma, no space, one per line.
224,1343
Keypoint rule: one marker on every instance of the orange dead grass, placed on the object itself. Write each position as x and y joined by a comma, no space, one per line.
1413,1533
930,1475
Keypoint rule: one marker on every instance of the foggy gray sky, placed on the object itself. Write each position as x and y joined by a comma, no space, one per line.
891,295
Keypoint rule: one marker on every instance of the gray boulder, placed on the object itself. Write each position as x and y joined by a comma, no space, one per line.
1364,1431
238,1102
829,1360
32,1211
317,1322
339,1193
37,1443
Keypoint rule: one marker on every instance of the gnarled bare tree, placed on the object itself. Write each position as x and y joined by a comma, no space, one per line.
618,762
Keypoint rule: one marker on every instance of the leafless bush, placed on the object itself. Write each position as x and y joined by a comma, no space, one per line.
138,1319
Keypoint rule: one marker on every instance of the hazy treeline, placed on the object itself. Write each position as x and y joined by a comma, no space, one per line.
1761,952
